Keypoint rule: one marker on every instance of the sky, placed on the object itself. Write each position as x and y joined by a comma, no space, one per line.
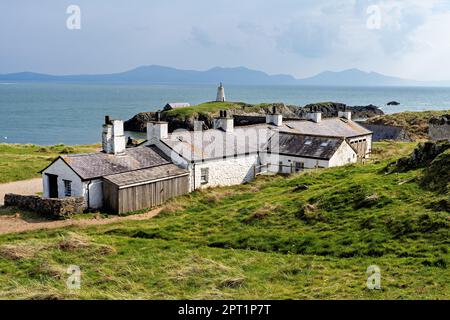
404,38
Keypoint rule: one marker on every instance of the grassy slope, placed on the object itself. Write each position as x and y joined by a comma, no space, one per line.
213,108
253,241
21,161
415,123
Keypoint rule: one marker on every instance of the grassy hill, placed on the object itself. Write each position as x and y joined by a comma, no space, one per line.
307,236
415,123
24,161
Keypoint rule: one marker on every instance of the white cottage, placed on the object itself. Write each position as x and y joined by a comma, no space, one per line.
227,155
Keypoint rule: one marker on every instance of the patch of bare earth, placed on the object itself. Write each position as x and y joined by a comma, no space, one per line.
15,223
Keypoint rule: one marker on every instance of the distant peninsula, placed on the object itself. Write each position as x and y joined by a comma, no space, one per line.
155,74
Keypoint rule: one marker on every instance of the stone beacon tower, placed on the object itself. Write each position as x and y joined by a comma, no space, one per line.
220,93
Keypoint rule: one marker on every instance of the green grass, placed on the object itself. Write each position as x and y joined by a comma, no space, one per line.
261,240
212,109
24,161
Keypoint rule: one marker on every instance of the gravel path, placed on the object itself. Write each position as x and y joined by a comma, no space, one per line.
25,187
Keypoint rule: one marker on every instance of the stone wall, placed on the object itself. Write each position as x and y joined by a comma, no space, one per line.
385,132
55,208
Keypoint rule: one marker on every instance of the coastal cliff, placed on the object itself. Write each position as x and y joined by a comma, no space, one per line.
183,118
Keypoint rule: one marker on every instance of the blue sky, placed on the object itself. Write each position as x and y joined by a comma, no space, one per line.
296,37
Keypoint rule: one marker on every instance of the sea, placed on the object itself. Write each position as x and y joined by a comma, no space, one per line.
50,113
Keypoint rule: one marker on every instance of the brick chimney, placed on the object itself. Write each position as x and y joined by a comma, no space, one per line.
224,122
314,116
274,118
113,138
345,114
157,130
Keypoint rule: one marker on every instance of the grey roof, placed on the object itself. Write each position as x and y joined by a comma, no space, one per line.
99,164
215,144
332,127
145,175
307,146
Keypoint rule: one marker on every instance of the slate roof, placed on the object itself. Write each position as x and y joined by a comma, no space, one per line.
332,127
145,175
216,144
306,146
94,165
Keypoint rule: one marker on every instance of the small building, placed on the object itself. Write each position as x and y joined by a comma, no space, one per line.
146,188
176,105
85,174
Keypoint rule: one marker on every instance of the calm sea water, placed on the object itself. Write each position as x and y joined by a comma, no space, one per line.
73,113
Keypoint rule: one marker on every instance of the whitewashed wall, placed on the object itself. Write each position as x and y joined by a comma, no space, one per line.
288,161
63,172
369,143
79,188
343,155
225,172
95,193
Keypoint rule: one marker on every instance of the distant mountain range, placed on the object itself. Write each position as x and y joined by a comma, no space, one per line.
240,75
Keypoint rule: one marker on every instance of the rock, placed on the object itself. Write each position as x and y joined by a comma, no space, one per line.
139,122
301,187
393,103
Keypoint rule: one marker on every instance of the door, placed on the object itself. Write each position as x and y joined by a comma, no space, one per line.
52,185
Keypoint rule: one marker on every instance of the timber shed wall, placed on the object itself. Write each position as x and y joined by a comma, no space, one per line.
143,196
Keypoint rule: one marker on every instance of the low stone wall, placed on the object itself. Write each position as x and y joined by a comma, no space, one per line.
59,208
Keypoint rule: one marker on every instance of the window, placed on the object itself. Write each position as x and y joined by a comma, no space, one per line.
204,175
67,188
299,166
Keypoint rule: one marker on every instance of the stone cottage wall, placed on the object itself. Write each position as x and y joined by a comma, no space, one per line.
59,208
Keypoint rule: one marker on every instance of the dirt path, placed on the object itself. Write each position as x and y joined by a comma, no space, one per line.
25,187
14,224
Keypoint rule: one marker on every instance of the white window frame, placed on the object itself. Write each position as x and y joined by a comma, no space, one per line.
67,188
204,176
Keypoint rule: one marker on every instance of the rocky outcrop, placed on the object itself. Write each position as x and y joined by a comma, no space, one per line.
245,114
439,128
422,156
53,208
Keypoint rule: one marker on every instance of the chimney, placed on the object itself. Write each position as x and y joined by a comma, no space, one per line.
113,138
314,116
157,130
345,114
274,118
224,122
